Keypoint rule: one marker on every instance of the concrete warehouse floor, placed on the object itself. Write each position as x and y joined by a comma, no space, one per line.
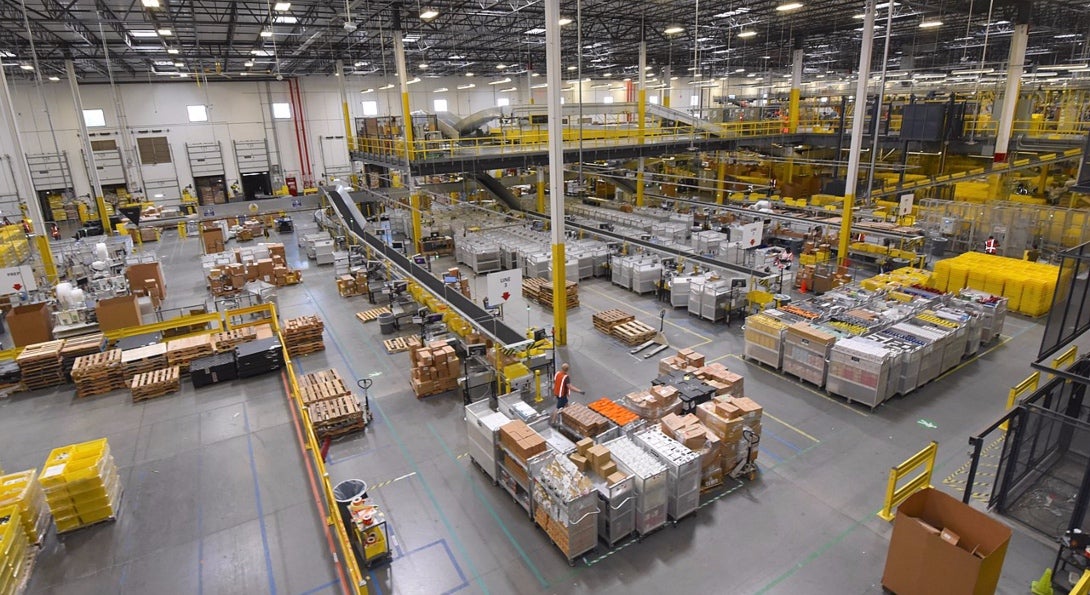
217,498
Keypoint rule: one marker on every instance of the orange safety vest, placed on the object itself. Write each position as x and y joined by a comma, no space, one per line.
561,384
990,246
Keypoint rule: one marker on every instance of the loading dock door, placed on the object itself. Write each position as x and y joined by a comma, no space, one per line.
205,159
252,156
49,171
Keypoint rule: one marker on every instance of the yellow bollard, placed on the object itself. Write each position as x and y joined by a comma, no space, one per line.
1027,385
537,387
181,231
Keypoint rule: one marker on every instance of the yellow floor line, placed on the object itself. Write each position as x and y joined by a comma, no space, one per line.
646,313
805,388
791,427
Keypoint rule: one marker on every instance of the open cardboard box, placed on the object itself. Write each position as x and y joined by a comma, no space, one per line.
921,561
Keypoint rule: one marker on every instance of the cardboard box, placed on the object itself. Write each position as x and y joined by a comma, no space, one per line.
582,446
615,478
919,561
607,469
117,313
579,461
30,324
598,455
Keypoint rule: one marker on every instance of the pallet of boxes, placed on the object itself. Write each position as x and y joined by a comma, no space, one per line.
435,369
352,285
690,431
727,417
653,403
303,335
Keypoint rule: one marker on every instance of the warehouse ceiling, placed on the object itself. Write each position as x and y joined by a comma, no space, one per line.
142,40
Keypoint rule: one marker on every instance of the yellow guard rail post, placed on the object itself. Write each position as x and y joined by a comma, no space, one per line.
1027,385
1066,358
894,495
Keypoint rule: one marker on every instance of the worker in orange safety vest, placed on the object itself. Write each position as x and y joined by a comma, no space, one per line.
562,387
991,246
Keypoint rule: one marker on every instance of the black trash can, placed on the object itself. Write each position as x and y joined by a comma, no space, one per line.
386,324
344,493
938,246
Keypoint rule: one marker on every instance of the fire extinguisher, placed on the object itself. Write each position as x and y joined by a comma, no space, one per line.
54,231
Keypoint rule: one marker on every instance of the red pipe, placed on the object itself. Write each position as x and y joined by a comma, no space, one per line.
295,128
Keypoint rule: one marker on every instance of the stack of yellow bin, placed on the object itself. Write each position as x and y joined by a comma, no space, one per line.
81,485
13,550
23,491
1029,286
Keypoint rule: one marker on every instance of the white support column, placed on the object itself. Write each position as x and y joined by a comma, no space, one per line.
339,66
1015,63
641,94
556,168
860,113
10,139
130,157
92,167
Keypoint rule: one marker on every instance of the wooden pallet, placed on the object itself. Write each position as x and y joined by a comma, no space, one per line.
531,288
372,314
143,359
228,340
85,345
323,391
301,349
303,335
633,333
180,352
98,373
333,412
321,376
336,431
156,383
605,320
41,365
399,344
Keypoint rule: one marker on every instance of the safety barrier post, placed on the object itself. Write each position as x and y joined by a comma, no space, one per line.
1066,358
894,495
1027,385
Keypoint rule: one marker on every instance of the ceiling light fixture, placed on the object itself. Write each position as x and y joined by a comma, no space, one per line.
165,32
150,3
422,66
789,6
1065,36
172,51
413,81
564,21
501,81
464,87
428,14
54,78
930,24
673,29
248,64
143,33
571,68
285,19
747,34
501,66
179,64
280,6
541,86
26,67
509,90
266,33
366,91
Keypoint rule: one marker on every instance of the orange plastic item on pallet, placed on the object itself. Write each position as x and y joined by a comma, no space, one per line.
615,413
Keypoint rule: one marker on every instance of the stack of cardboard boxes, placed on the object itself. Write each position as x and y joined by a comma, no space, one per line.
583,421
352,285
724,381
685,359
523,443
265,262
691,432
596,458
653,403
727,417
435,369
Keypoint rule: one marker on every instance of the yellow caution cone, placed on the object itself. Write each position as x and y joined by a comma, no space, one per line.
1044,585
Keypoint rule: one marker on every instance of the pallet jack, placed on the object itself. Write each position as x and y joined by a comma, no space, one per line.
659,340
747,466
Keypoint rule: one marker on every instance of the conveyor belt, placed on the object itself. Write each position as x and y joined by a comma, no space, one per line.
354,221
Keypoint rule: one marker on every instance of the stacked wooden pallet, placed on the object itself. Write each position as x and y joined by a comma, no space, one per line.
531,288
143,359
98,373
633,332
571,293
182,351
336,417
605,320
322,386
85,345
148,385
228,340
303,335
41,365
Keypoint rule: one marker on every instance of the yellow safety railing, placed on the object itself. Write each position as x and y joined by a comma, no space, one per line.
895,495
190,321
1083,586
330,514
1066,358
246,317
1026,386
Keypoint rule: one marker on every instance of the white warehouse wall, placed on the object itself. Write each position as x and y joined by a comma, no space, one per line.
239,110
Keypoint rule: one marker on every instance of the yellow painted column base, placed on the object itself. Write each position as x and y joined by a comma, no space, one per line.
418,222
46,253
560,296
845,229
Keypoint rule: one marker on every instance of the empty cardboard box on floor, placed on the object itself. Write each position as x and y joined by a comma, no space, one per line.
30,324
119,312
920,561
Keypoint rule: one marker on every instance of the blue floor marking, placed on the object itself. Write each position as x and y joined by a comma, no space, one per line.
355,455
773,436
491,511
775,457
319,588
200,517
405,454
257,501
373,582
